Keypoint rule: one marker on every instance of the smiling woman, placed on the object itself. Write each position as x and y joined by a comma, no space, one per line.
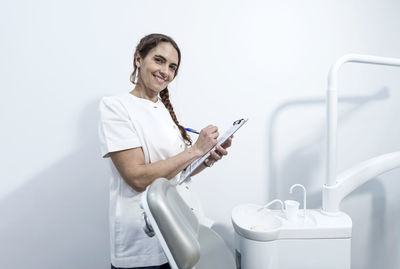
158,67
141,134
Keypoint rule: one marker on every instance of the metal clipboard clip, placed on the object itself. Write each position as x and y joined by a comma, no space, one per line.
239,121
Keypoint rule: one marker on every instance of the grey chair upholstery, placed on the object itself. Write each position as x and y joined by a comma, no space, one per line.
188,243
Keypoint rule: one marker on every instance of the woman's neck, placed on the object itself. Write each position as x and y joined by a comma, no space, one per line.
141,92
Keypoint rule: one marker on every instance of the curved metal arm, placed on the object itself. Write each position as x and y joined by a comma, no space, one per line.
335,191
354,177
332,111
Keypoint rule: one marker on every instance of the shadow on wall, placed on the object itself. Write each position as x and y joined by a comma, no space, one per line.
302,164
59,219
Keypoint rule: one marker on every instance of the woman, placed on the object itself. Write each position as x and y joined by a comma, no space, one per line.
141,134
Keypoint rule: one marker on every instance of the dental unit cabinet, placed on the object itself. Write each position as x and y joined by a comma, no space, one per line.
317,238
290,238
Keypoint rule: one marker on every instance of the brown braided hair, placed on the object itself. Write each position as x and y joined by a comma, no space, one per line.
164,94
146,44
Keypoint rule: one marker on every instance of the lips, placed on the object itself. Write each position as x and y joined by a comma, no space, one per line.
159,79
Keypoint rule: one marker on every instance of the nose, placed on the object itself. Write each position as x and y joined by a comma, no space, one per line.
164,70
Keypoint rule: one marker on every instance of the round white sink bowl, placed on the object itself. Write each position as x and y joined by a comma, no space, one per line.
253,223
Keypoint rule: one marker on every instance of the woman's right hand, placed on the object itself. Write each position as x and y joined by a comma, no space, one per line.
206,140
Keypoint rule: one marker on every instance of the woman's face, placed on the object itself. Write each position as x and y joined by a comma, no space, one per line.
158,68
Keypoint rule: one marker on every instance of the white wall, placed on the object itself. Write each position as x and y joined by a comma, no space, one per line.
266,60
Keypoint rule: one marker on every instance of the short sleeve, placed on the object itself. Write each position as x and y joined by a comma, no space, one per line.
116,130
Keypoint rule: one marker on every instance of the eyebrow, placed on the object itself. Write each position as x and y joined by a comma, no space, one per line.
165,59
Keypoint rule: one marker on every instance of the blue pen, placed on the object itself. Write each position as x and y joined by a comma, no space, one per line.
192,130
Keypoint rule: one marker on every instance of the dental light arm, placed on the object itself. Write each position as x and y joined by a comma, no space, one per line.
354,177
336,189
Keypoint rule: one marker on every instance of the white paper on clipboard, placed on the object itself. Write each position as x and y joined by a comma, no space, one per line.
195,164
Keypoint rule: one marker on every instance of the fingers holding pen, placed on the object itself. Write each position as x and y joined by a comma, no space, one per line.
211,131
207,139
209,135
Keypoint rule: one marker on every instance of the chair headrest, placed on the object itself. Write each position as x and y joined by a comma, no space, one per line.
177,223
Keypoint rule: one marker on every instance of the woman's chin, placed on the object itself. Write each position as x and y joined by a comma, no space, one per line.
159,88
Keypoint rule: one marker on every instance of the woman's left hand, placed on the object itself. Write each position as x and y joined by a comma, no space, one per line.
218,153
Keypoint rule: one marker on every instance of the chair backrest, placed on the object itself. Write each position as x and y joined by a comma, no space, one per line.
186,243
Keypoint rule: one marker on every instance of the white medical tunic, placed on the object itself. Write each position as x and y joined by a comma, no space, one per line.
126,122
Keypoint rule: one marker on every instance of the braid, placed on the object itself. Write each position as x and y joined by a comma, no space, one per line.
164,94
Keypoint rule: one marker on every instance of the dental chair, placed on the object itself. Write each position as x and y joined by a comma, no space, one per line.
186,242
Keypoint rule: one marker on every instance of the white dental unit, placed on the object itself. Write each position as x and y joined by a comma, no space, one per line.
288,238
313,238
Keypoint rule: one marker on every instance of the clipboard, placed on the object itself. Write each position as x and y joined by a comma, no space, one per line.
185,175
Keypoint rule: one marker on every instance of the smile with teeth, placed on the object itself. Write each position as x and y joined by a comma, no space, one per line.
159,79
